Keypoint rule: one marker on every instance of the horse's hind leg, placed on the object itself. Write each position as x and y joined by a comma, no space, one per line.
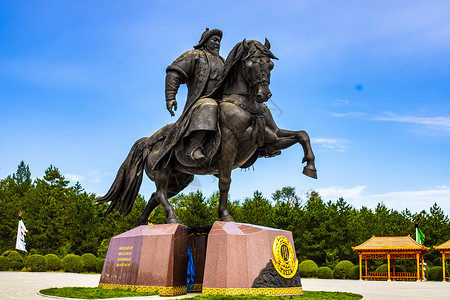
177,182
287,138
151,205
161,194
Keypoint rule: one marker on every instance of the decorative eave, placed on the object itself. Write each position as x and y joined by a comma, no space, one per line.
443,247
390,244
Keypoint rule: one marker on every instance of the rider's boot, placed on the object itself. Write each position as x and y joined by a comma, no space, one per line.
195,149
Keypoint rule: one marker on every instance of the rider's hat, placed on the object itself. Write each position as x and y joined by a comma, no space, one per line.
206,35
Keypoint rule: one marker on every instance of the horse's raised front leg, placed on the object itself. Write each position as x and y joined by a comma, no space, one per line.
286,138
226,161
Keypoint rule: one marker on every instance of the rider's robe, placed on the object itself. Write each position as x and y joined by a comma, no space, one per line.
197,69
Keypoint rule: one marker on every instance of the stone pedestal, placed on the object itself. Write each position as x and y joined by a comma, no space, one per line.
241,259
148,258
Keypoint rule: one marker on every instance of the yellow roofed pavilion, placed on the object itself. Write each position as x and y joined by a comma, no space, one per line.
445,250
391,248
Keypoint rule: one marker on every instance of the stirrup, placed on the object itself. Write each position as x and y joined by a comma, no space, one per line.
200,159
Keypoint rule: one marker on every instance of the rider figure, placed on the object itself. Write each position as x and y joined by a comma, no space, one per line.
200,69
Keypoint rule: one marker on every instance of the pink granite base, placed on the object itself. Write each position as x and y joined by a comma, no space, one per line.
148,258
236,253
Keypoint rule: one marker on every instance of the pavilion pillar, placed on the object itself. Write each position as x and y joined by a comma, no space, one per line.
366,268
443,266
393,267
423,273
418,270
360,266
389,266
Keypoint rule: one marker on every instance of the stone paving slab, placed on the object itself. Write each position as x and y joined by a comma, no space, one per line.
26,285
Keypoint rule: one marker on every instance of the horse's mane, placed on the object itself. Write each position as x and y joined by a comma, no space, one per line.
247,48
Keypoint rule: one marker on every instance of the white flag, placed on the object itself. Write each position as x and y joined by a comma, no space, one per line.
21,232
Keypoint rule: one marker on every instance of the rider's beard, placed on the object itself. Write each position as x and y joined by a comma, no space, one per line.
214,52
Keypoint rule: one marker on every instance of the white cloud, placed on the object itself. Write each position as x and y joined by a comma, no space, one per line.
415,201
96,176
335,192
73,177
351,114
433,123
333,144
340,102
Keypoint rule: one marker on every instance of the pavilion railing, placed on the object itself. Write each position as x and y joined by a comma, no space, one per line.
403,276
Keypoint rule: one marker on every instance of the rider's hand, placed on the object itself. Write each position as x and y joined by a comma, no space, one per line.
171,104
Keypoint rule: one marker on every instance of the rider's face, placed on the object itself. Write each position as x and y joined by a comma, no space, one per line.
213,44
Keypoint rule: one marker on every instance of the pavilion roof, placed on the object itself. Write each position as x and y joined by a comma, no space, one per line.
384,243
444,246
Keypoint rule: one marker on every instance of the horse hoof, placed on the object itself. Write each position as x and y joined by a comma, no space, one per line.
227,218
173,220
141,222
310,172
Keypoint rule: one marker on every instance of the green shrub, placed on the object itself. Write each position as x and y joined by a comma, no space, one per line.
324,273
89,261
36,263
103,248
4,263
7,252
435,274
383,268
99,266
342,268
53,262
307,268
72,263
353,273
15,260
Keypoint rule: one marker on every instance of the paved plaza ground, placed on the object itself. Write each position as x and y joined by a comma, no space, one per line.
25,285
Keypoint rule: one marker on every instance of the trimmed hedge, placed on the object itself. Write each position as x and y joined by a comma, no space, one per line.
307,268
342,269
4,263
36,263
435,274
53,262
7,252
353,273
89,261
72,263
15,260
384,268
324,273
99,266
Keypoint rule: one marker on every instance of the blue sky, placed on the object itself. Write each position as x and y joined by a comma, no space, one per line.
80,81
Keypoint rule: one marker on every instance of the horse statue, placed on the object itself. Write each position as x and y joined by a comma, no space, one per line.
247,132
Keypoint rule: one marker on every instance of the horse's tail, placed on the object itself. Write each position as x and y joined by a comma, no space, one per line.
125,187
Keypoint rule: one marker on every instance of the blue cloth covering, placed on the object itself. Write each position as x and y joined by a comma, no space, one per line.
190,270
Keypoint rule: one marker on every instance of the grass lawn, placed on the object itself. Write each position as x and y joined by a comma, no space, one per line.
97,293
92,293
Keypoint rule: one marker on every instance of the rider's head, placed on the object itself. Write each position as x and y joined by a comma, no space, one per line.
210,40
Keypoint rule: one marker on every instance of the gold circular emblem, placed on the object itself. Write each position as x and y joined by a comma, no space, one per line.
284,262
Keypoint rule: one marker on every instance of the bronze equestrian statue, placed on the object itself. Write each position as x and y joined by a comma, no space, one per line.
244,130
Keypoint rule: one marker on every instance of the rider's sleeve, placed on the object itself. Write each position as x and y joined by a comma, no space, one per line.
173,82
180,72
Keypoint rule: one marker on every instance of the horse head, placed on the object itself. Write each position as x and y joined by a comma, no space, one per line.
247,71
256,65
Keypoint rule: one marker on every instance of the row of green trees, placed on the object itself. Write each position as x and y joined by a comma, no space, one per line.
64,219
